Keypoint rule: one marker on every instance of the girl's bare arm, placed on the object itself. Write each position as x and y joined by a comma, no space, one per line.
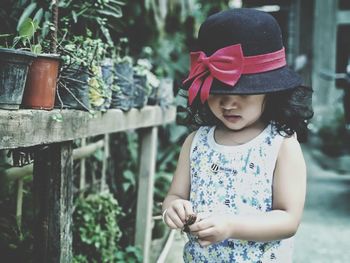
176,201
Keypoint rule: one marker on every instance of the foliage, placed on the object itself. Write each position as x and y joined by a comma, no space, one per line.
96,232
26,30
82,50
123,180
130,255
32,27
99,16
25,36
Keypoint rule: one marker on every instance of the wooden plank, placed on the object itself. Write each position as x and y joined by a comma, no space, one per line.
53,203
25,128
343,17
82,170
143,235
104,186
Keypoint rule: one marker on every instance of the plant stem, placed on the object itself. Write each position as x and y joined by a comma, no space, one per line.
53,44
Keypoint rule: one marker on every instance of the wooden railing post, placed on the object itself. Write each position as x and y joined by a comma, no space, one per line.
53,203
82,170
103,185
143,235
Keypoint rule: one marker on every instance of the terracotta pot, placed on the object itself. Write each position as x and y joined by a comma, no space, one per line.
40,89
14,66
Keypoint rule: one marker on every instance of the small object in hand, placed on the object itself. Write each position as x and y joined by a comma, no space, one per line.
189,221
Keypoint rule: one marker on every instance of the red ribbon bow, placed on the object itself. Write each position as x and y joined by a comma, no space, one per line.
227,65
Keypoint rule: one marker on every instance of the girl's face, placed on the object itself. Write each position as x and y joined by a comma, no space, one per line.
237,112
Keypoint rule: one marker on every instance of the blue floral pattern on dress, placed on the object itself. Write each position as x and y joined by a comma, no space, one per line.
236,180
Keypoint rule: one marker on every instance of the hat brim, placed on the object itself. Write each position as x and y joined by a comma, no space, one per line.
266,82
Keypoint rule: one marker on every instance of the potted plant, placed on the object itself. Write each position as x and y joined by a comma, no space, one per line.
146,84
107,67
165,94
81,84
41,83
14,65
122,91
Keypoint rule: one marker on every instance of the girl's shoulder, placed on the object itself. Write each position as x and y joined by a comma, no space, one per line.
189,139
290,145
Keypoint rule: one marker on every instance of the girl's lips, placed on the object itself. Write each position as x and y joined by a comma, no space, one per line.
232,118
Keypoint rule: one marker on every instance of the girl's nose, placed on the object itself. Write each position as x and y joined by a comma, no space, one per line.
229,102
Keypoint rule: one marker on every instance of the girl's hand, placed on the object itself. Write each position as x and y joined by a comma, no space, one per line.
177,212
212,229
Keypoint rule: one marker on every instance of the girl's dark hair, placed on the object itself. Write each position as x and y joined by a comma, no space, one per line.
290,110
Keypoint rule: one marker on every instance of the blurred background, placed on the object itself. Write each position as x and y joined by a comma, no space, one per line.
316,35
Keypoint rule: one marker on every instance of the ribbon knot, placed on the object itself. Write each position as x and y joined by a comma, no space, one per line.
205,61
227,65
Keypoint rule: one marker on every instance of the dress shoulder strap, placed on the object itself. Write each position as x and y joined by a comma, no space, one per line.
200,137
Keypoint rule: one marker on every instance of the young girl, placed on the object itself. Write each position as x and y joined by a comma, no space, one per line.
241,174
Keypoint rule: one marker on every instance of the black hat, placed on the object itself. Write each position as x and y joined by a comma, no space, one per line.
254,34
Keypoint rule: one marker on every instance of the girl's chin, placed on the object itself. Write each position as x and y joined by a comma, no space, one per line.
233,126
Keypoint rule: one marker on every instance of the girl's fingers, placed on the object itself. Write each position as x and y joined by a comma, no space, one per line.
203,233
188,208
170,223
201,225
180,209
173,216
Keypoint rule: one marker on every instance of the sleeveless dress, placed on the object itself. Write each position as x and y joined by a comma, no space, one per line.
236,180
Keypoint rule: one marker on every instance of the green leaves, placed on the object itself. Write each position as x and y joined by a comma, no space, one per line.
131,255
26,13
129,180
114,14
99,16
96,231
27,27
26,32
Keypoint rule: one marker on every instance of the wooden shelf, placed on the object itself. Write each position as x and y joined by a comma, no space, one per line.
23,128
